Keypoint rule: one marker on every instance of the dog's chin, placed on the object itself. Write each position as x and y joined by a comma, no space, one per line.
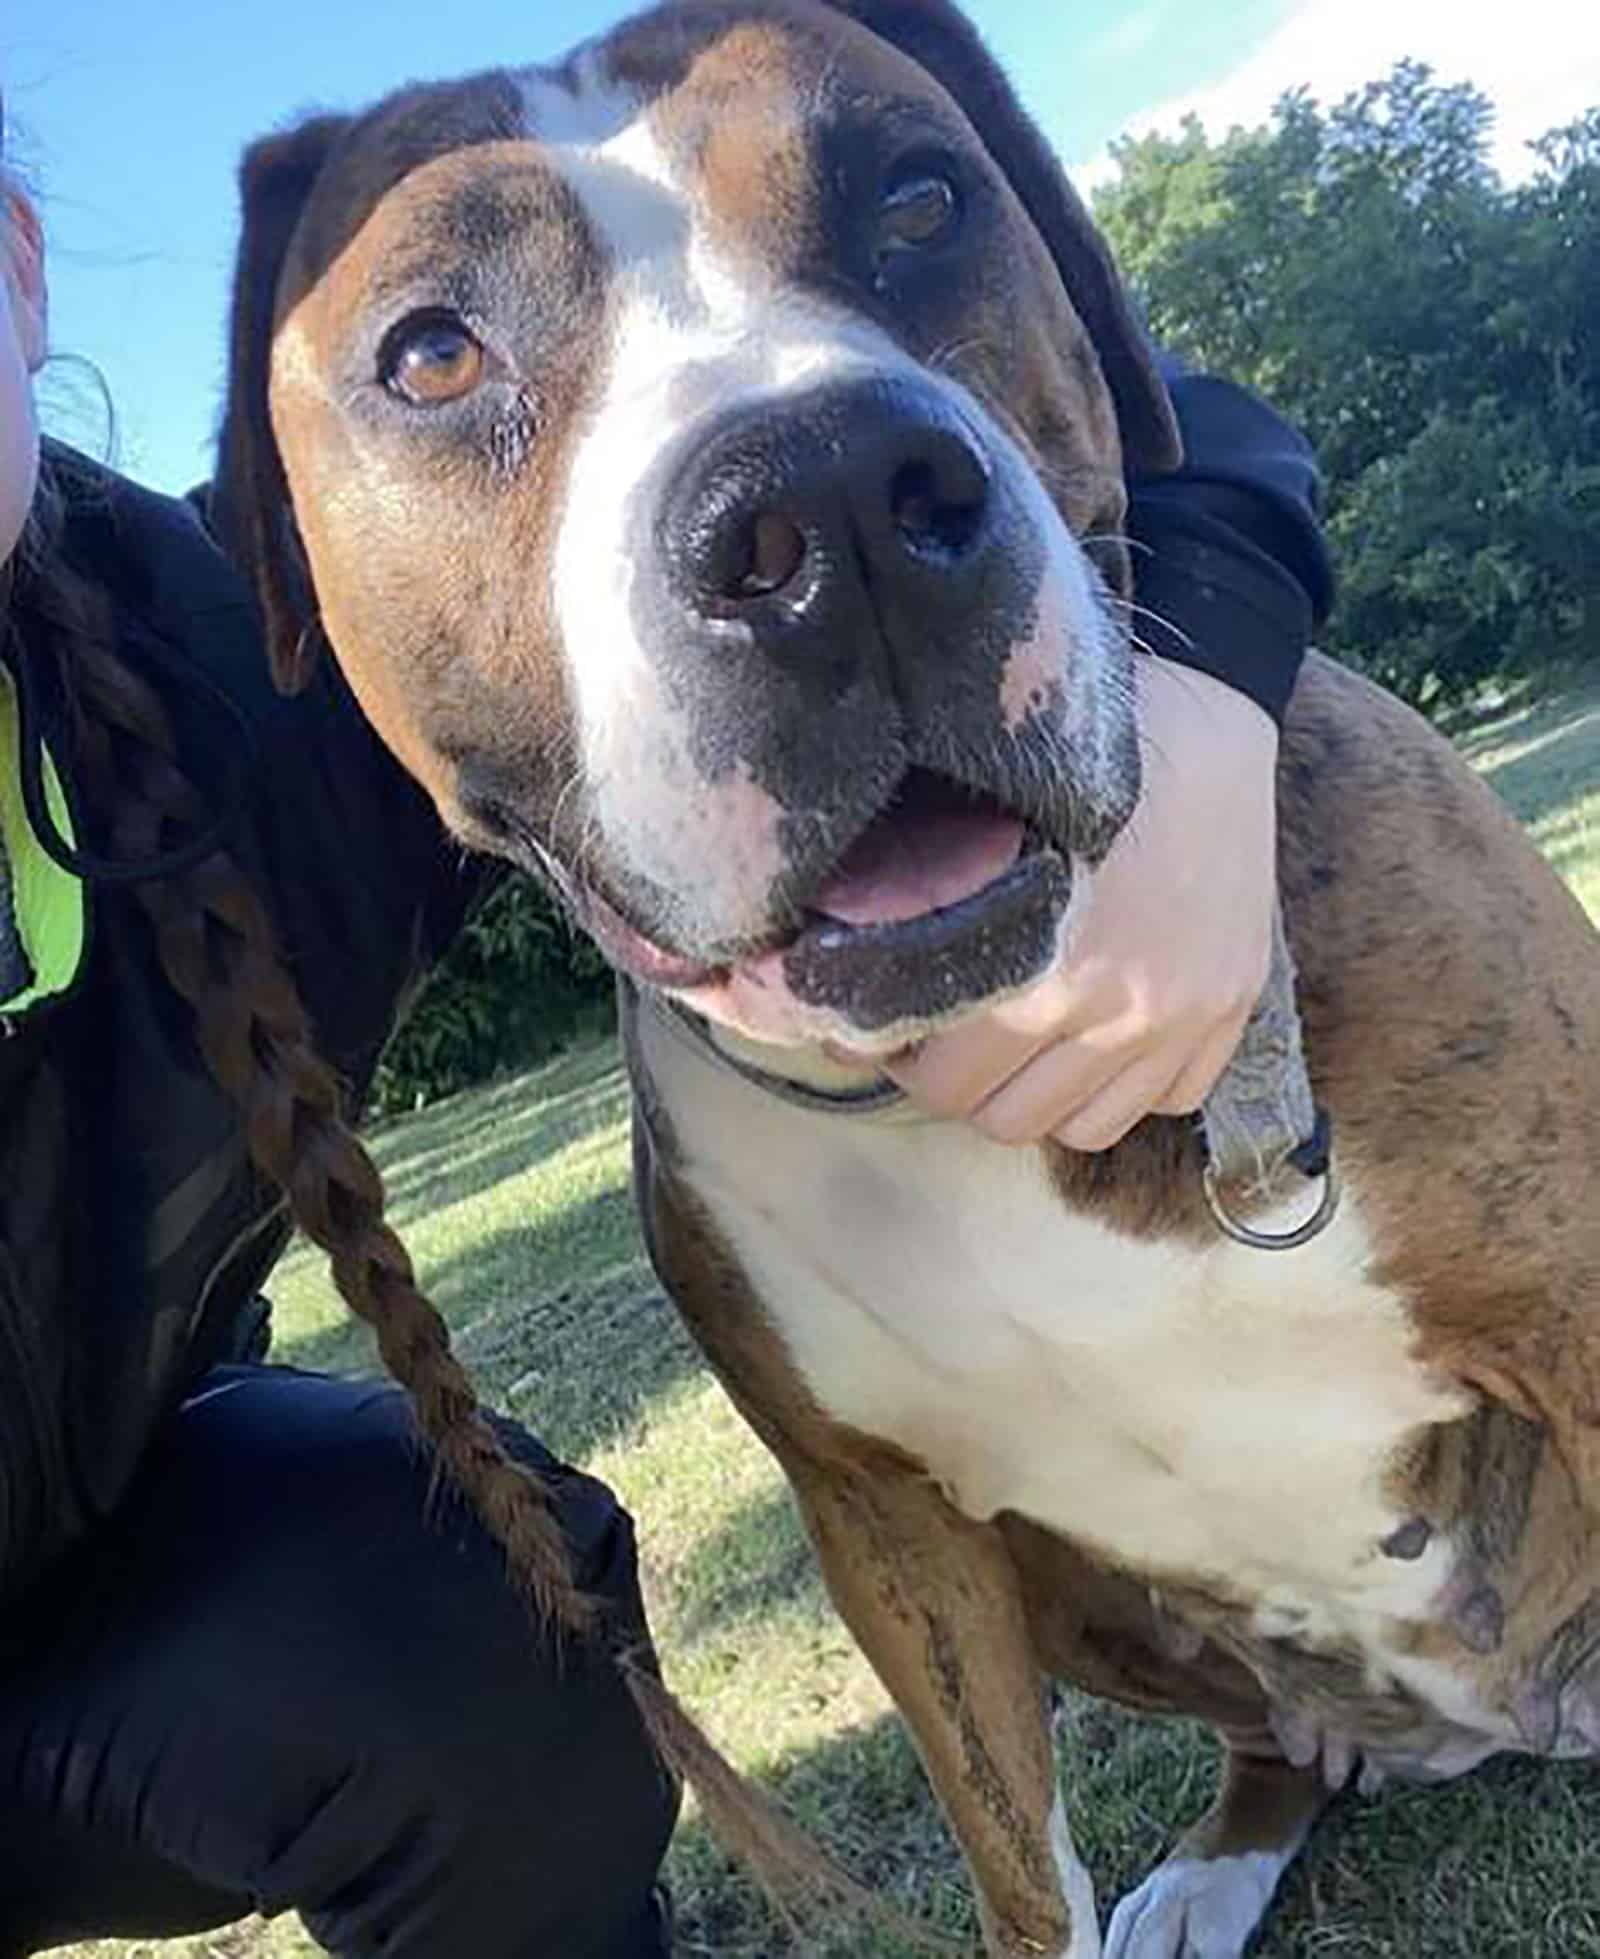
945,903
867,991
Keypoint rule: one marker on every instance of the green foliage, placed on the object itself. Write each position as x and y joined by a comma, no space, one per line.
1435,333
517,984
1465,553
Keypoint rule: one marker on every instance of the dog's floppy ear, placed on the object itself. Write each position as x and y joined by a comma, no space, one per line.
249,506
939,38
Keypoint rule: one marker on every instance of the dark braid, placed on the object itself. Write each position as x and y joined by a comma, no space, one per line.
217,950
216,947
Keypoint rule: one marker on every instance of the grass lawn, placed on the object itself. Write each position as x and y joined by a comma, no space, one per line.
1544,758
514,1200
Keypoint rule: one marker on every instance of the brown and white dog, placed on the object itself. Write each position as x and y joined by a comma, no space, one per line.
705,459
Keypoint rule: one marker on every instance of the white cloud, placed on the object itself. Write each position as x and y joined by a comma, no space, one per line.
1129,36
1537,60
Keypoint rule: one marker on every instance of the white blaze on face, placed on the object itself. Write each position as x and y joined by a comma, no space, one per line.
673,302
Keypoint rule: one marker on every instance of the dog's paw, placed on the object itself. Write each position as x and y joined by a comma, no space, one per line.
1195,1908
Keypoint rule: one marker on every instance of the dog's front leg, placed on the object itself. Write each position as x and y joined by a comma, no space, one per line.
933,1600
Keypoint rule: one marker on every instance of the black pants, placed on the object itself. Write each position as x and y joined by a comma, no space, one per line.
293,1675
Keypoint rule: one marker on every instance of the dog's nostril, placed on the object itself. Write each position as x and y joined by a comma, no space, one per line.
938,519
773,551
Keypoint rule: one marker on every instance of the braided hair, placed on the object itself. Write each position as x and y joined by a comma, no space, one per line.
157,837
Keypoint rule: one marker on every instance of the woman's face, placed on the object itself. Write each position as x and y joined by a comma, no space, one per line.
22,339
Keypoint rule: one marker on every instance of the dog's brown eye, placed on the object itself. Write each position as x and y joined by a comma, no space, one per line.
919,209
431,359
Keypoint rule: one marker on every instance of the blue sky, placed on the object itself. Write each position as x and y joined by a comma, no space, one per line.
133,114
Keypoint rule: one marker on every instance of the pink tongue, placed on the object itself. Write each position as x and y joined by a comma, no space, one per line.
908,864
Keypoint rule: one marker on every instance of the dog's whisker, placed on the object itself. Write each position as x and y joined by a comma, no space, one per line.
1160,619
944,357
572,786
1133,544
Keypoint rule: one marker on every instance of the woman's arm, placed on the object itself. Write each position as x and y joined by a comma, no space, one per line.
1230,564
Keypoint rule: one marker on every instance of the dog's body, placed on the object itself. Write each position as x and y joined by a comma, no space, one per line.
1201,1468
707,456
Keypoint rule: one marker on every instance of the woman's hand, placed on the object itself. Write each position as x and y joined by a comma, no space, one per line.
1167,955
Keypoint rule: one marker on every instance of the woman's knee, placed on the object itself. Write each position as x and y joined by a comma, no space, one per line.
449,1774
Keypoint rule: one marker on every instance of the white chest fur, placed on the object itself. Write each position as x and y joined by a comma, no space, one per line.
1222,1416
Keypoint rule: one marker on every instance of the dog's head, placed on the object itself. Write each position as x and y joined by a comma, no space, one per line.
706,461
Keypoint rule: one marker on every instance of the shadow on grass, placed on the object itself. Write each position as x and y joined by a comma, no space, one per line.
1129,1784
345,1346
1525,710
526,1361
1561,769
1557,758
559,1321
760,1559
470,1143
864,1796
1498,1866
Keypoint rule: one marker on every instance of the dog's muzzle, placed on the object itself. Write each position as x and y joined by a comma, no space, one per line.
874,716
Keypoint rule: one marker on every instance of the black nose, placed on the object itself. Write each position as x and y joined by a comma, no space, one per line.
833,521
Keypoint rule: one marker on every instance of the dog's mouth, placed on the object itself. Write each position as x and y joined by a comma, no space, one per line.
945,899
936,846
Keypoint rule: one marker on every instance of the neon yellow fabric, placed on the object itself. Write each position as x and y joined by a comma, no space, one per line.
48,900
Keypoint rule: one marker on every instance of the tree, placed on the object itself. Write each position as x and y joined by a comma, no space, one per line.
1434,333
517,984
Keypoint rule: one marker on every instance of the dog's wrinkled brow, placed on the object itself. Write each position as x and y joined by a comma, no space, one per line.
504,227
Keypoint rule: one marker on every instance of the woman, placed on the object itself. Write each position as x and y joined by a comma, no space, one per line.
239,1668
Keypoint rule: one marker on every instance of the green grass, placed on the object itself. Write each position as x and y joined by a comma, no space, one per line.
514,1201
1543,757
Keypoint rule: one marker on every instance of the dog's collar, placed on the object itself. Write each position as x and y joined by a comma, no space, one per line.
876,1098
1243,1137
